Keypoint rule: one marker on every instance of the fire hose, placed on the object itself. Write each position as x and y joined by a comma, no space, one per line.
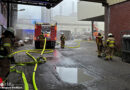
78,43
36,62
77,46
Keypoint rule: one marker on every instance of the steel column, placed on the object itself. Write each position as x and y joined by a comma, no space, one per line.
8,14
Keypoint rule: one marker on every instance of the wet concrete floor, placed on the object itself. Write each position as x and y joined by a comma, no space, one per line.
80,69
73,75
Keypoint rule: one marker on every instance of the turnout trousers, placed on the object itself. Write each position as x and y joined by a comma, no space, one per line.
62,44
4,67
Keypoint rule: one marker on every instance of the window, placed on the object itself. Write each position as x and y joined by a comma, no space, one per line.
46,29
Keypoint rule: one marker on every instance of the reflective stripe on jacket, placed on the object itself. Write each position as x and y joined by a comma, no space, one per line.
7,45
62,38
111,42
99,40
5,48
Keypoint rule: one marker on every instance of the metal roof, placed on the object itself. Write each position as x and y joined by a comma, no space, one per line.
98,1
46,3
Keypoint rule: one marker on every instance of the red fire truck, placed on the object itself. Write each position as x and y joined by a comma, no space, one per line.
49,32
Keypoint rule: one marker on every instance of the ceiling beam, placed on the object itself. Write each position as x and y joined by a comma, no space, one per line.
47,4
97,1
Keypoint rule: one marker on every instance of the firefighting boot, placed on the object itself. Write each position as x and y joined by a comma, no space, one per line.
107,58
99,56
110,57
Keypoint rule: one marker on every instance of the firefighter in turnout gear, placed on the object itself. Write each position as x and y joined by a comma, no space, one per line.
99,43
41,38
62,38
5,51
110,46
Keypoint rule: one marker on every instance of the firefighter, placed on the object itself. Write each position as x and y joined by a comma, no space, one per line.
5,51
110,46
42,39
99,43
62,38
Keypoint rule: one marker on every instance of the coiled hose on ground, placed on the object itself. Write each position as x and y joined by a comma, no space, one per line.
36,62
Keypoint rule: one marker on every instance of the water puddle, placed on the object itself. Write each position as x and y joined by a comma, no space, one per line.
73,75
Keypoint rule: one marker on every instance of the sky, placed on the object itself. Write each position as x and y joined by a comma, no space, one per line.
34,12
30,12
66,6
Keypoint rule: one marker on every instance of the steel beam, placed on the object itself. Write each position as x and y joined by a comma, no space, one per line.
97,1
8,14
35,3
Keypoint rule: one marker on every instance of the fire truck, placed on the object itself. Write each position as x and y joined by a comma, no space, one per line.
49,31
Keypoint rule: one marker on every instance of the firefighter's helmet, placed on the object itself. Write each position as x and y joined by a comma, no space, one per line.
62,33
11,30
110,34
99,34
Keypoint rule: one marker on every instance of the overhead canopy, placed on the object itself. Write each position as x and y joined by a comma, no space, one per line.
46,3
98,1
98,18
90,11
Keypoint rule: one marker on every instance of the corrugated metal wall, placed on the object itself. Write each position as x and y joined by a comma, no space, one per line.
111,2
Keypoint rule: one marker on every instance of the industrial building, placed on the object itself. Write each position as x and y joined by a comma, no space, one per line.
116,15
92,11
70,23
4,17
45,15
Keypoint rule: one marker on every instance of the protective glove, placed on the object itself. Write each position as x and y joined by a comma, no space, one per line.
10,56
1,56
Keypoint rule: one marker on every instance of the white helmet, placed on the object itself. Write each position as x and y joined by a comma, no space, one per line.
110,34
62,33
